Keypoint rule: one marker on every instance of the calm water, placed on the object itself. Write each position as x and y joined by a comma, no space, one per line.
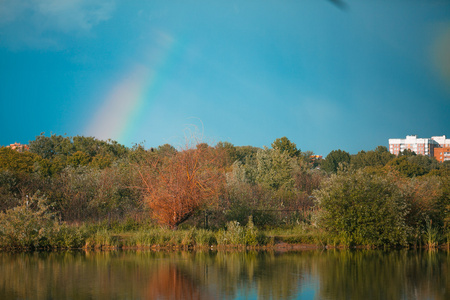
328,274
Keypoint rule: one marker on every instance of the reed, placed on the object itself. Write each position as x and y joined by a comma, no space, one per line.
431,234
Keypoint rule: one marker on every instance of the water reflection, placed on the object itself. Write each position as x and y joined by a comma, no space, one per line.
171,282
221,275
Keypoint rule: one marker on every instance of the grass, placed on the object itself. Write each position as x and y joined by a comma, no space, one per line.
133,235
299,234
104,236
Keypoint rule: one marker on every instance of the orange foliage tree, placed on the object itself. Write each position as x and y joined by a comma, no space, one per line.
177,185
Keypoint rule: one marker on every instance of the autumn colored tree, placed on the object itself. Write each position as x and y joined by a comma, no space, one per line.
177,185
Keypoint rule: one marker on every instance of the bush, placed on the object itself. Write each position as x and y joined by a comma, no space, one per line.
205,237
236,235
102,238
363,209
233,235
251,233
29,225
67,237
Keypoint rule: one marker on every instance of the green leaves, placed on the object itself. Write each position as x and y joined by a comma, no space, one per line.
363,209
334,159
27,225
285,145
18,162
272,169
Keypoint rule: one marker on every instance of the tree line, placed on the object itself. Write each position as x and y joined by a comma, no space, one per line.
369,198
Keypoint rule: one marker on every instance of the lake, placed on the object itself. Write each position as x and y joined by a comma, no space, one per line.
328,274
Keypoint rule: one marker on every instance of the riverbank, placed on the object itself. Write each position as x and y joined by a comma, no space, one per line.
103,237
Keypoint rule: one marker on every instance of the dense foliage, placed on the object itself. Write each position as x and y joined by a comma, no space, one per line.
370,198
363,209
177,185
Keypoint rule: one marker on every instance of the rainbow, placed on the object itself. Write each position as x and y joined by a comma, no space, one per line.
129,99
440,52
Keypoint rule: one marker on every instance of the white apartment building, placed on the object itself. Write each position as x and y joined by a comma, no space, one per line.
424,146
442,141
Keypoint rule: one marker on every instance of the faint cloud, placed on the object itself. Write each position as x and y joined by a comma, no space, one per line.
42,23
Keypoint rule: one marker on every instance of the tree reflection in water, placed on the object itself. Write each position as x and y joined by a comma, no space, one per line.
384,275
328,274
169,282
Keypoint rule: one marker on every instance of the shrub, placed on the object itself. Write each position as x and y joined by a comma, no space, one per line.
29,225
251,233
67,237
205,237
363,209
236,235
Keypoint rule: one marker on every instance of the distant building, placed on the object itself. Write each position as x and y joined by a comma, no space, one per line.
437,146
442,141
18,147
315,157
442,154
423,146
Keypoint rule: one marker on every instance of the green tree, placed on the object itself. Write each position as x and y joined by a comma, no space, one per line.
274,169
93,147
230,152
101,161
407,152
375,158
47,167
21,162
363,209
245,154
79,158
48,147
27,225
285,145
333,159
425,162
10,193
406,167
271,168
166,150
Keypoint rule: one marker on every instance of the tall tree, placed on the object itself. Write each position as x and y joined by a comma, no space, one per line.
333,159
177,186
285,145
230,152
49,146
407,168
274,169
378,157
166,150
17,161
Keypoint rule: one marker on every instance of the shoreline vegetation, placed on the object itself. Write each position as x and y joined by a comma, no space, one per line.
240,238
82,193
234,237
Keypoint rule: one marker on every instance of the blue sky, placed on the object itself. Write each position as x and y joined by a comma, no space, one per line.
245,71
